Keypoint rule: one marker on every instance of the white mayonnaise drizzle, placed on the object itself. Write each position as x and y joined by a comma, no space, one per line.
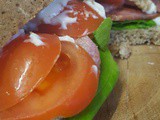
95,69
152,9
66,38
35,39
53,14
63,19
89,13
97,7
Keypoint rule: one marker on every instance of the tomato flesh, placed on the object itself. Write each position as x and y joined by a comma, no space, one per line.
23,65
67,90
87,20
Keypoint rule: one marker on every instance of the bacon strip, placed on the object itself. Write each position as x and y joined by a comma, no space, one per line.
127,13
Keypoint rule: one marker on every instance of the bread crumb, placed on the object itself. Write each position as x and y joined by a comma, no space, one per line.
151,63
124,51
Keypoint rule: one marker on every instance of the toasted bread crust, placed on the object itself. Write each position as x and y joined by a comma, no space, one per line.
121,40
15,13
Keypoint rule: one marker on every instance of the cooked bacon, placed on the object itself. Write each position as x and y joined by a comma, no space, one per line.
127,13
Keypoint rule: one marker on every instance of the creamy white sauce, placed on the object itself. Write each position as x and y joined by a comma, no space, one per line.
63,19
157,21
53,14
88,14
52,10
35,39
95,69
97,7
152,9
67,38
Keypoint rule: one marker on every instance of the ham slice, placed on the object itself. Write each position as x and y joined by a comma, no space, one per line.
109,8
127,13
87,44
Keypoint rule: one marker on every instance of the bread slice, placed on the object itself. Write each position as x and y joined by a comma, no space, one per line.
121,40
15,13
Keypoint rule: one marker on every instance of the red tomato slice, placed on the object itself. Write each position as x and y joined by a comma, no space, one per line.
87,20
68,89
23,65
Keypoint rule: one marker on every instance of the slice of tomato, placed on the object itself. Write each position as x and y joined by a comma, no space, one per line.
24,63
86,20
68,89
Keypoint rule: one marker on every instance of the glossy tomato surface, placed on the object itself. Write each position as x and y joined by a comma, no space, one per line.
24,63
67,90
76,20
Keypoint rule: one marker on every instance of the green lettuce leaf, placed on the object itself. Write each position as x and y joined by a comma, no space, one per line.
133,24
108,77
102,34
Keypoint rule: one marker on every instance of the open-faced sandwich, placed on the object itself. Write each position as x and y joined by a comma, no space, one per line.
58,64
135,22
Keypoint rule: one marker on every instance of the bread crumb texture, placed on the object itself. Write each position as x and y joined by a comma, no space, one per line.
121,40
15,13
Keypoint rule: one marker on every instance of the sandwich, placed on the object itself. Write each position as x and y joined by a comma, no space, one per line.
135,22
58,64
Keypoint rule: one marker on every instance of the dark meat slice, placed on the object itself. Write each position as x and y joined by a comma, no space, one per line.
130,3
127,13
87,44
110,5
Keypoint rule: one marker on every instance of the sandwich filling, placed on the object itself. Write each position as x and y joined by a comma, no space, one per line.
134,22
61,64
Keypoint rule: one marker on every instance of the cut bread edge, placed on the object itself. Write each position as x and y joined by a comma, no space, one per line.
123,39
14,14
